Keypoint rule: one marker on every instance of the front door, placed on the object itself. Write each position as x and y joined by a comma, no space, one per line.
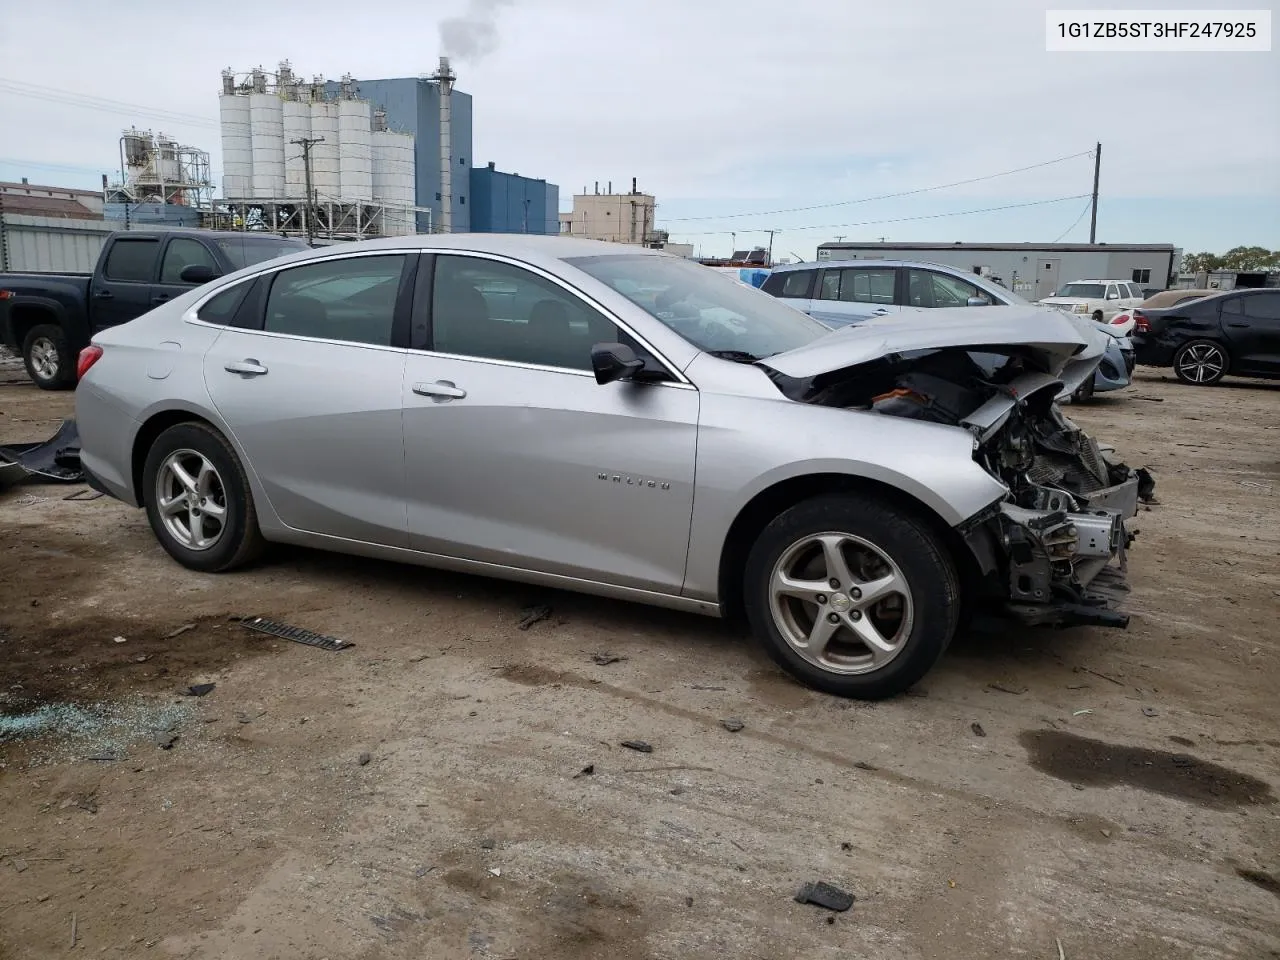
312,396
121,291
180,253
1047,278
516,457
848,295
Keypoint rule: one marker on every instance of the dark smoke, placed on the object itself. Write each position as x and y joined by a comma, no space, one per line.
474,34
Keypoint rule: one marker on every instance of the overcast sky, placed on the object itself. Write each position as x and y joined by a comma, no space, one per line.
719,108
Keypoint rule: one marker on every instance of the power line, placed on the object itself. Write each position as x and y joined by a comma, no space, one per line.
1087,206
897,219
886,196
71,98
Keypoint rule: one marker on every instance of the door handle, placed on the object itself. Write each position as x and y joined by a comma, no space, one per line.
104,295
160,298
879,313
1237,325
440,390
248,367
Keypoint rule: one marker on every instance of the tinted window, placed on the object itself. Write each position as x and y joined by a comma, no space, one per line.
927,288
1234,306
250,250
798,283
1088,291
483,308
830,285
352,299
858,285
183,253
132,260
1263,306
222,307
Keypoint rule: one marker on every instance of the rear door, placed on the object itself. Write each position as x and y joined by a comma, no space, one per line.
308,381
180,253
846,295
792,287
1251,323
121,291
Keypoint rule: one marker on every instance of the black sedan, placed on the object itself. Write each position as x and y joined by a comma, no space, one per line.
1203,340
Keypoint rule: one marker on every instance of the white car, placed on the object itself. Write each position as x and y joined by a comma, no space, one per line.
1101,299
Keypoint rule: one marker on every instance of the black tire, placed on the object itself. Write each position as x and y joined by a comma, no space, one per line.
1097,316
921,559
1084,392
48,358
240,540
1201,358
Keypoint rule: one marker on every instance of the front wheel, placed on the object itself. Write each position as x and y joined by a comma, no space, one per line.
1200,363
198,499
851,595
1084,392
48,358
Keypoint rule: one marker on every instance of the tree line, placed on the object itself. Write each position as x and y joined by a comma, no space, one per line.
1237,259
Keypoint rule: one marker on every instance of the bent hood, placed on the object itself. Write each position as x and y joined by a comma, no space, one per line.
1054,338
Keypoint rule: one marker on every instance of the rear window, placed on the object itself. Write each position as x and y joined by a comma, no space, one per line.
790,283
222,306
250,250
133,260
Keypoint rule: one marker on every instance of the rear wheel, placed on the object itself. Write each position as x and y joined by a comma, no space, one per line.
48,358
1200,363
852,596
198,500
1097,315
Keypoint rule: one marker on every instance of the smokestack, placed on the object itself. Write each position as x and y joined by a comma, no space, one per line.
633,186
445,77
609,189
597,188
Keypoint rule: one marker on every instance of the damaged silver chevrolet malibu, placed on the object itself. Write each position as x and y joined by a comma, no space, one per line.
617,421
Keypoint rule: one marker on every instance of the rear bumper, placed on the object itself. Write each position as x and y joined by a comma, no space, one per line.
1151,353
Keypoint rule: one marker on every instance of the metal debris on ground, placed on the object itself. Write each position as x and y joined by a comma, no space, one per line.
703,686
822,894
604,659
1080,713
179,632
586,771
863,765
1008,688
976,727
296,634
534,615
364,759
638,745
199,689
732,724
166,740
1150,712
422,871
119,639
83,495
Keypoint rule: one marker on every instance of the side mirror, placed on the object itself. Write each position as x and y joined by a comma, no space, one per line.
197,273
1113,296
978,302
614,361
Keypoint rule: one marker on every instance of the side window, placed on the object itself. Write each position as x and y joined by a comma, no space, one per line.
1262,306
1142,276
222,307
866,286
133,260
830,285
496,311
950,292
1235,306
798,283
352,299
182,253
1113,292
1135,291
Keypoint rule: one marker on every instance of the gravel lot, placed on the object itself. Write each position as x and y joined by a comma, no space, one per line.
422,794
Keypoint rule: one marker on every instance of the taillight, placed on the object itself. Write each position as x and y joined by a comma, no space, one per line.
1140,322
1119,318
6,294
88,357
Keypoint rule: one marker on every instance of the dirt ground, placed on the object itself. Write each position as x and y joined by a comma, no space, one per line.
454,786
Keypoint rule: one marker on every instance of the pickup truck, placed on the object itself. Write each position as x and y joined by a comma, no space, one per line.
47,318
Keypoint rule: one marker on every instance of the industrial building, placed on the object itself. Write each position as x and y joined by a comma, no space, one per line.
1033,270
162,182
615,217
509,203
366,158
31,199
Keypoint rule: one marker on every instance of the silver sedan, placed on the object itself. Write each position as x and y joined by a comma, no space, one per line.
614,420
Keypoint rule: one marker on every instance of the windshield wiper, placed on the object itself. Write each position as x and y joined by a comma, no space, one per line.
737,356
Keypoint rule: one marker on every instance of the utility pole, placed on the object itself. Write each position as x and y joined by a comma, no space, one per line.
770,256
839,238
306,143
1093,216
4,237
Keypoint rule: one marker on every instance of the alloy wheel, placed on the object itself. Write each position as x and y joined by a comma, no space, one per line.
1202,363
44,358
841,603
191,499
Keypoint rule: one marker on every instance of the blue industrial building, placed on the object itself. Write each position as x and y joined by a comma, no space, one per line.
412,105
509,203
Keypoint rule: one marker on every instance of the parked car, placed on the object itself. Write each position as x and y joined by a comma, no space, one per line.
47,318
1205,339
1122,323
1100,299
619,421
841,292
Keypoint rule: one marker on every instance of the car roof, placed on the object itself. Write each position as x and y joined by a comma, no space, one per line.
1097,281
869,264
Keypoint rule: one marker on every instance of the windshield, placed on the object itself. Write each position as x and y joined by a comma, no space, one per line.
1089,291
713,312
250,250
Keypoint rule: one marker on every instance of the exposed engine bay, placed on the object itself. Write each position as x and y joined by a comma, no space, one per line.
1053,551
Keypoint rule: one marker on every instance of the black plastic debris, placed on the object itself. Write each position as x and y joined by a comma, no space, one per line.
1146,485
80,495
166,740
364,759
296,634
822,894
638,745
604,659
976,727
534,615
732,724
56,459
200,689
586,771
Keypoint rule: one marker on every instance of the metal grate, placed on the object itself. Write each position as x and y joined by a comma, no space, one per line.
296,634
